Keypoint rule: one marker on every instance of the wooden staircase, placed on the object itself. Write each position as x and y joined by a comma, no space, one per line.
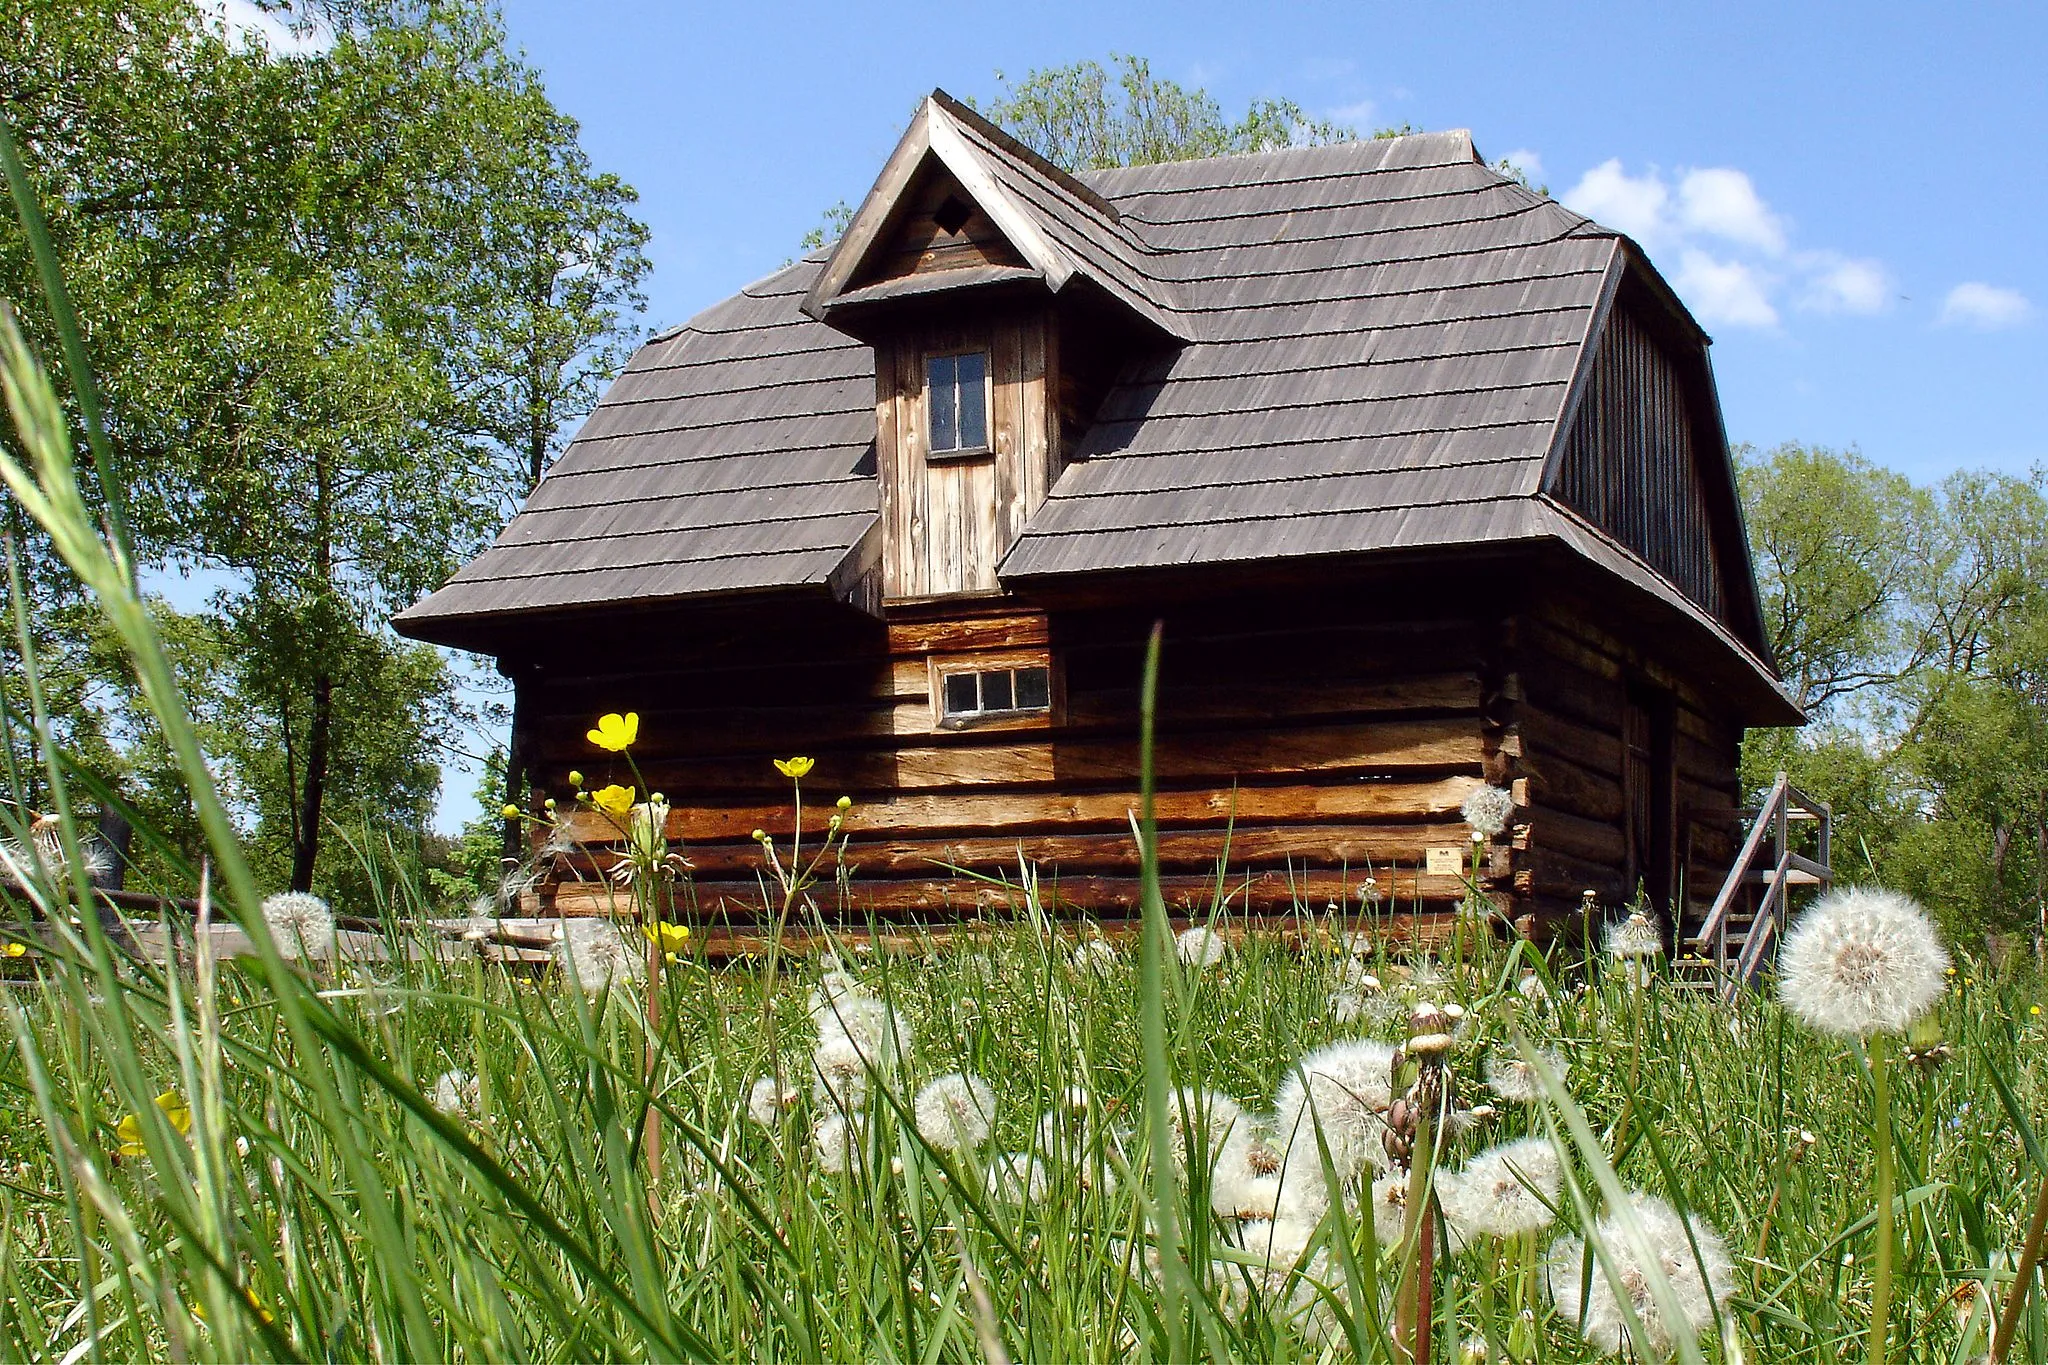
1736,940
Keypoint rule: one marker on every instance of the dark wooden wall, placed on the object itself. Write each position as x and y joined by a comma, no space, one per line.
1318,746
1575,684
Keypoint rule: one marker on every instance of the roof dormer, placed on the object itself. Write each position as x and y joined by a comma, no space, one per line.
961,206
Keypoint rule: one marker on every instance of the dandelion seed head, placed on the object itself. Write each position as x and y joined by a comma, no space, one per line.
1505,1190
1200,947
1487,810
1635,937
955,1111
1016,1178
1389,1199
876,1030
1700,1283
1514,1080
596,954
1095,955
455,1092
836,1139
1532,989
301,923
1862,961
839,1074
769,1099
1343,1091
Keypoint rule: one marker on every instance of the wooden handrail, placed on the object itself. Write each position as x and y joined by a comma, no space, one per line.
1774,873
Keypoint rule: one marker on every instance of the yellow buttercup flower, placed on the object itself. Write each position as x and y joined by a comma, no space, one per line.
614,800
15,950
129,1129
670,938
795,767
616,732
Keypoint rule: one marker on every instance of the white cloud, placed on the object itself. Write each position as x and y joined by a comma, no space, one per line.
1722,202
280,32
1358,115
1987,306
1725,291
1840,284
1527,162
1612,197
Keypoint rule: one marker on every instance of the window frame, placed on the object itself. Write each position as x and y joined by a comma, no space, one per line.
934,454
942,667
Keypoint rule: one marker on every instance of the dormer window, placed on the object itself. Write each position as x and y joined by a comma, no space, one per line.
956,387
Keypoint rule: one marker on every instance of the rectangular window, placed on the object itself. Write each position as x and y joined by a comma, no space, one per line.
956,389
997,692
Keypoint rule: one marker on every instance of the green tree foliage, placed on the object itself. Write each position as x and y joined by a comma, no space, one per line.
1912,624
1085,117
342,303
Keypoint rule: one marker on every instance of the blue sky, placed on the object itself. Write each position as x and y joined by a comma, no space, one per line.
1846,195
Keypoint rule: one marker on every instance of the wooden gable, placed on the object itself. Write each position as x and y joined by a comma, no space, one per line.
1638,458
937,226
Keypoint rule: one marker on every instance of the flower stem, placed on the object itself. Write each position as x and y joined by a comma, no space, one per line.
2023,1279
1881,1117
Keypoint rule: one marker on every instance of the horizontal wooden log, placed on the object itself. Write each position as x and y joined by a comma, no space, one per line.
1556,783
964,636
958,814
948,897
1544,731
1591,840
1021,758
1368,847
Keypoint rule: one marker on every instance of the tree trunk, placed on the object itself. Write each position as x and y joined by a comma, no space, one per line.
306,839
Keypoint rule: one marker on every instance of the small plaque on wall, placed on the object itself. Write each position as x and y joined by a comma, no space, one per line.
1444,862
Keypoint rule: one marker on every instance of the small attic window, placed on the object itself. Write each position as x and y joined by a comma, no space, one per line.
952,215
956,387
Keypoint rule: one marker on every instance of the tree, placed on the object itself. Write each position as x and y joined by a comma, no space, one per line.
1083,117
343,304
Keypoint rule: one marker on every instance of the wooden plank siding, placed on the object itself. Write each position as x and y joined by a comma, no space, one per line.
1310,754
1631,461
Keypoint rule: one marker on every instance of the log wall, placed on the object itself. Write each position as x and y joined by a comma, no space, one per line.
1301,755
1574,680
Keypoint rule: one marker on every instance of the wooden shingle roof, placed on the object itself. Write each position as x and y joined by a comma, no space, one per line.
1378,342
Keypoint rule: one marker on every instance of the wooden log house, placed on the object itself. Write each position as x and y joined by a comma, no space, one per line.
1424,473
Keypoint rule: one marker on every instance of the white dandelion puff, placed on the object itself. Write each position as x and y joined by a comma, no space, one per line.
836,1140
1532,989
1862,961
875,1029
455,1092
1487,809
1515,1080
1016,1178
955,1111
1505,1190
1699,1283
769,1098
1200,947
596,955
1203,1122
1343,1091
301,923
1389,1200
1635,937
840,1069
1095,955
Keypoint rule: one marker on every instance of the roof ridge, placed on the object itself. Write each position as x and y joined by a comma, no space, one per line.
1066,180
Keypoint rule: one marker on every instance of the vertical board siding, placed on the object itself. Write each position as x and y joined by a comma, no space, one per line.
1631,462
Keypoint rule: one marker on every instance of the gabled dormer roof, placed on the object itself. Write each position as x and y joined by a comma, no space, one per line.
1061,232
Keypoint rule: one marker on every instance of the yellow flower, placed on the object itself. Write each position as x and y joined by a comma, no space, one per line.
614,800
795,767
670,938
129,1129
616,732
15,950
511,812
